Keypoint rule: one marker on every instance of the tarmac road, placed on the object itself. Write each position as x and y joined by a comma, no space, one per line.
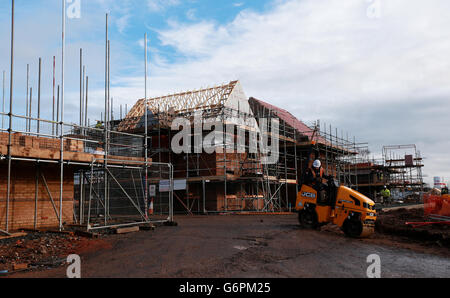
253,246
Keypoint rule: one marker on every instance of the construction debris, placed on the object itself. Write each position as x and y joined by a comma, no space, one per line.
148,227
18,267
42,250
395,222
428,223
127,230
11,236
86,234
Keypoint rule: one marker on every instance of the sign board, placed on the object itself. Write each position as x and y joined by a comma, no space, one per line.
164,186
409,160
152,190
179,184
437,180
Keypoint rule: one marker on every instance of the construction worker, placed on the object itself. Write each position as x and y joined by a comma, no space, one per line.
316,174
99,125
316,178
386,193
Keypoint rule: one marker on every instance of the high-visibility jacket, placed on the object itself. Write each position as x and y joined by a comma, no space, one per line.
386,193
321,173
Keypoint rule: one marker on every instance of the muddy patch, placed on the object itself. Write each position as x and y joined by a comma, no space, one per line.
394,223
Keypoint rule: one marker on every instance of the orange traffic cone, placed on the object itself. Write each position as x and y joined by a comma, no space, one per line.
150,209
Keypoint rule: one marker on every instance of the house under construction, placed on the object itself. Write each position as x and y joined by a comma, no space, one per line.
127,172
101,176
232,177
399,169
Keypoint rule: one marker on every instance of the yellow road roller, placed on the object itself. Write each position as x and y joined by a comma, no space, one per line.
353,212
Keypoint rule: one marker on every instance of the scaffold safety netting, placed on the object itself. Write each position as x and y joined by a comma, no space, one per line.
437,205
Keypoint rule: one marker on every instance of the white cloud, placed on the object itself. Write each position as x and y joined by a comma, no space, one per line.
159,5
194,40
122,23
384,80
38,34
331,60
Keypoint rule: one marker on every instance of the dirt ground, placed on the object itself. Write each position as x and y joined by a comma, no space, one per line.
253,246
394,222
39,250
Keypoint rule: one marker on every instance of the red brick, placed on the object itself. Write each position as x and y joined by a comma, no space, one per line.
22,197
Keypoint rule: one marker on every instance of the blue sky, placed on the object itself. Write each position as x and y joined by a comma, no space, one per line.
38,35
378,69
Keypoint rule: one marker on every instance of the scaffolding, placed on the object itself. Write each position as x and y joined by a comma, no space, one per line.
94,169
241,180
84,153
125,202
110,159
342,153
398,168
404,164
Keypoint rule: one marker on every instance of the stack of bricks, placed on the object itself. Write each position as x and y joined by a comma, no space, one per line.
17,139
43,148
20,140
73,146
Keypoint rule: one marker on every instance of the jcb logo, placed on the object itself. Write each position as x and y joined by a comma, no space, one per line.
309,195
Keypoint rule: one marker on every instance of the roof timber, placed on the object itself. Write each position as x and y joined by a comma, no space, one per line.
186,101
229,95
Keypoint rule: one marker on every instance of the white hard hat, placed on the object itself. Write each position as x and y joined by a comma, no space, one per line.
317,164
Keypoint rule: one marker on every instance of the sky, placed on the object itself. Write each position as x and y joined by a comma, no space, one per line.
378,70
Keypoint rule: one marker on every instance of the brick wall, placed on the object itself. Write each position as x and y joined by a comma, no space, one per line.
22,197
